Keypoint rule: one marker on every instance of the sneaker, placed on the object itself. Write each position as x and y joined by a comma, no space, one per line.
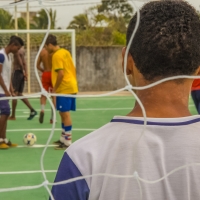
51,121
3,145
62,146
41,118
58,142
10,144
32,115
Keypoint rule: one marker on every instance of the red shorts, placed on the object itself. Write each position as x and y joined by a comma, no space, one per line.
46,81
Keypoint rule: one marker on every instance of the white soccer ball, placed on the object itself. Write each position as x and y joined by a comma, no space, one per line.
29,139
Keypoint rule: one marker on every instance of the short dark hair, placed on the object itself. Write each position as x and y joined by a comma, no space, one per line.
51,39
16,41
167,42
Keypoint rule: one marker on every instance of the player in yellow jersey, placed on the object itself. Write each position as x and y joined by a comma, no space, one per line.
64,82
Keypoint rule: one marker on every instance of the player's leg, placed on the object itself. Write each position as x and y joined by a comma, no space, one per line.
195,99
54,103
59,102
66,136
5,112
26,101
3,125
16,86
14,105
43,98
47,84
198,101
7,143
32,110
64,105
42,103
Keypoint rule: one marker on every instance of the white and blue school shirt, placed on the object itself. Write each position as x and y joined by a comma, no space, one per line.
5,60
168,143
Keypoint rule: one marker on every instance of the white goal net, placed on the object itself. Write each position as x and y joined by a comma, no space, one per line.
132,172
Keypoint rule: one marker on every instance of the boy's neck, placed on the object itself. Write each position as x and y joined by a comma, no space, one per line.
167,100
56,48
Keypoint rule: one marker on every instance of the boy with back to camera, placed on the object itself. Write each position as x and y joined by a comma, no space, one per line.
166,44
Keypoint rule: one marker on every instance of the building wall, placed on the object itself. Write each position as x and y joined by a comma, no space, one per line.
99,68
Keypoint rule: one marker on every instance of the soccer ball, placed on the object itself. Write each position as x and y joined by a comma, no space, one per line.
29,139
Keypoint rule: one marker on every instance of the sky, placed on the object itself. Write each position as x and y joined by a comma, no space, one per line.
65,13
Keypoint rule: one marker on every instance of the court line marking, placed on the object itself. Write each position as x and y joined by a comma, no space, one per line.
82,109
102,98
37,146
97,98
86,109
25,116
28,172
49,129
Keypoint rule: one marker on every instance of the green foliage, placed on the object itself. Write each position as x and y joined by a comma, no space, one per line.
112,9
6,21
80,22
105,24
119,38
21,23
99,36
40,21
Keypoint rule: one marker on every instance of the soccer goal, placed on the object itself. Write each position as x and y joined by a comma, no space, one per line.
32,40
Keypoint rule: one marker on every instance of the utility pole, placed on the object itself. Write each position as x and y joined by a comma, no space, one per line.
16,21
28,46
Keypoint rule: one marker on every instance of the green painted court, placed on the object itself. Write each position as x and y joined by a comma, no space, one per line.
21,166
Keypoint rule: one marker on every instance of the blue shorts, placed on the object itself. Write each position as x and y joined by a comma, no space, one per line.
4,106
65,104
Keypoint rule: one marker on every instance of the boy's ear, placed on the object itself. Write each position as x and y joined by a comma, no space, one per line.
129,67
198,71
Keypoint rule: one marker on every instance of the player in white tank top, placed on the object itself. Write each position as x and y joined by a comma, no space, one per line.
6,70
6,87
165,44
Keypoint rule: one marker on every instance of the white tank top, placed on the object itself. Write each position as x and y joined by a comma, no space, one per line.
6,71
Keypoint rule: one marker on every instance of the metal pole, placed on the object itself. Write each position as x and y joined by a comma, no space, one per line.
73,41
28,46
16,21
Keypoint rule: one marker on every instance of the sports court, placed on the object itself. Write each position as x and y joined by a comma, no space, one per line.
21,166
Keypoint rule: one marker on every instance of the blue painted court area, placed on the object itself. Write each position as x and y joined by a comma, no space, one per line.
21,166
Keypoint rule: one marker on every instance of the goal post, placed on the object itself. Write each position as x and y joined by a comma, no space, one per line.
66,39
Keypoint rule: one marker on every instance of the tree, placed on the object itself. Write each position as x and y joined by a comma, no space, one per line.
116,9
21,23
41,21
6,21
80,22
105,24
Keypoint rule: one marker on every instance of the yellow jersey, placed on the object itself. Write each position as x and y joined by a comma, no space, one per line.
62,60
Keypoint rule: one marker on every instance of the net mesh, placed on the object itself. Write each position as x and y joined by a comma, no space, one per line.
129,87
